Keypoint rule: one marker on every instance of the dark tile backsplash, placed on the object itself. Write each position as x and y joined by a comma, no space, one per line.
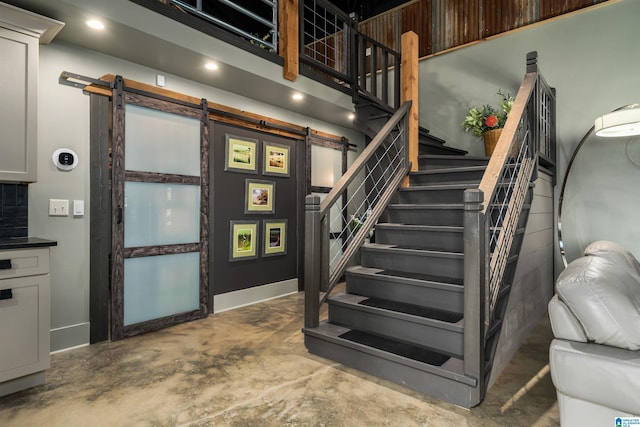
14,210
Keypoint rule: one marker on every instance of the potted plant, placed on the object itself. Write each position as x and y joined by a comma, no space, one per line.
487,121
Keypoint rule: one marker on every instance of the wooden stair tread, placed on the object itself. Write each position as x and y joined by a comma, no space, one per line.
441,186
452,169
416,279
452,369
418,227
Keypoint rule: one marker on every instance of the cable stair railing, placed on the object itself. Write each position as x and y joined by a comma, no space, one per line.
336,228
493,215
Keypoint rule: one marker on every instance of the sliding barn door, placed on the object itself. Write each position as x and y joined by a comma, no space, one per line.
160,211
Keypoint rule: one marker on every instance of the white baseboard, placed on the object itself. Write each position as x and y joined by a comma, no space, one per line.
68,337
256,294
74,336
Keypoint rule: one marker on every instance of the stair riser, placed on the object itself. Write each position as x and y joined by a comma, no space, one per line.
416,196
432,148
412,263
434,163
423,382
424,216
466,176
388,289
432,337
440,240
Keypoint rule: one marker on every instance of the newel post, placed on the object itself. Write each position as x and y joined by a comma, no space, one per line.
475,281
409,92
312,261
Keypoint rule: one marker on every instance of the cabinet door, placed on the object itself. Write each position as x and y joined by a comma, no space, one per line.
24,316
18,79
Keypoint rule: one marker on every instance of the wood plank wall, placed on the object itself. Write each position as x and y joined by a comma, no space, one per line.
445,24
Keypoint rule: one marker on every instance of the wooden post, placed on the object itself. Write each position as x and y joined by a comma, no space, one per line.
312,261
475,297
409,83
288,41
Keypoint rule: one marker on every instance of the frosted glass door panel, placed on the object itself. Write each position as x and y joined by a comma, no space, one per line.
156,141
326,166
160,286
161,214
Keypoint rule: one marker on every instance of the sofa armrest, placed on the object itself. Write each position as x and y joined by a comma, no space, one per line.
596,373
563,322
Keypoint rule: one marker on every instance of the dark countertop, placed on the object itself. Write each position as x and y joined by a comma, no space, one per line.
25,243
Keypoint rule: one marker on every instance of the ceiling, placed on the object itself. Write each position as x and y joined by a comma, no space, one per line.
138,35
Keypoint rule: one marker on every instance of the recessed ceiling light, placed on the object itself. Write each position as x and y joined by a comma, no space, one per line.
352,116
211,66
95,24
297,96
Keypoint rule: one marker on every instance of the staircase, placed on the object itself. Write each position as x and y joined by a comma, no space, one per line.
401,316
424,305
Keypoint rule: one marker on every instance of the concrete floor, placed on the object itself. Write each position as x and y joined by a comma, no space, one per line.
249,367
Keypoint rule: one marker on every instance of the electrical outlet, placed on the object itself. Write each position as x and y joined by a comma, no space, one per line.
58,207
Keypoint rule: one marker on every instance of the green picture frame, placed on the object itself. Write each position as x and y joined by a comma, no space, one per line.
259,196
240,154
243,240
275,237
275,159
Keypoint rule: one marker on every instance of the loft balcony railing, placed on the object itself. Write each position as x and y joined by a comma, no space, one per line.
255,20
332,46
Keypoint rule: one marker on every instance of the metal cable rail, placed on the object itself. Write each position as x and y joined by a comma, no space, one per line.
336,227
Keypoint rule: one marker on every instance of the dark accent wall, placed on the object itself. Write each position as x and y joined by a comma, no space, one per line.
228,197
14,210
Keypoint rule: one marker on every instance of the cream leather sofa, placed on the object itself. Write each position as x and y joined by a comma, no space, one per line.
595,356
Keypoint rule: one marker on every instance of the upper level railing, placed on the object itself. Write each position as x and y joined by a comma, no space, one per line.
257,20
492,212
336,227
332,46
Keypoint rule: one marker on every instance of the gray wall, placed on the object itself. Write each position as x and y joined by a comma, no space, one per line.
63,121
590,57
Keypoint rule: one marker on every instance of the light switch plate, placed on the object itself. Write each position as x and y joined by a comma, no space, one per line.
78,207
58,207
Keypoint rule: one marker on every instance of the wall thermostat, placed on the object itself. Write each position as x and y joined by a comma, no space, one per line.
65,159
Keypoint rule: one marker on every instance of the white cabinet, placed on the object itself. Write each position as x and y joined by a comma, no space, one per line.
18,107
25,319
21,32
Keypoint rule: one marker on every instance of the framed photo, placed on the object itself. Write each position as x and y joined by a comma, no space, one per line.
276,159
243,243
259,196
275,237
240,154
